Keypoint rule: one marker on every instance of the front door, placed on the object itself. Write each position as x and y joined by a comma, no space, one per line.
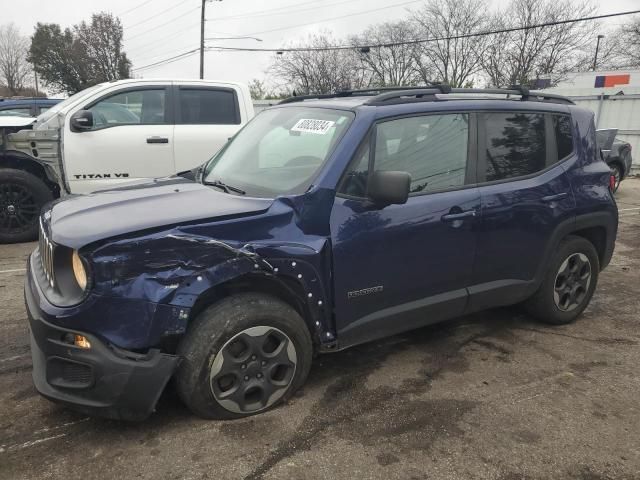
398,267
131,139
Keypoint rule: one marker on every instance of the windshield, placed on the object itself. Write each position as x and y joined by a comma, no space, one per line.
279,151
45,116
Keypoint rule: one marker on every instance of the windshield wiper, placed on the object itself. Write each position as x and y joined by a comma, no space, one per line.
223,186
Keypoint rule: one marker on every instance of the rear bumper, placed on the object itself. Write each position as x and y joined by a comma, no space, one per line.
102,380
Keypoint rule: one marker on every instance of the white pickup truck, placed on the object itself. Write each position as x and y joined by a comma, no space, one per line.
109,135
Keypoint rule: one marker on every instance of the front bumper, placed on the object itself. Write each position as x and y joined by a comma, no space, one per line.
102,380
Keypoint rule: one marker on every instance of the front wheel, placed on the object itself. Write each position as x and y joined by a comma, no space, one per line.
22,196
569,283
242,356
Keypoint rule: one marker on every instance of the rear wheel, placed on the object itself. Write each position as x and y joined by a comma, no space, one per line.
22,196
569,283
243,356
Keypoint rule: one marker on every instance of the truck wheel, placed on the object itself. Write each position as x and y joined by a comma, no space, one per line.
569,283
22,196
242,356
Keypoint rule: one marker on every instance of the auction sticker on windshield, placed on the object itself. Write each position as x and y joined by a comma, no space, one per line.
312,126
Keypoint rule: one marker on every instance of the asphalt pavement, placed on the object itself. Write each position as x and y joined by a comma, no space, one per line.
493,395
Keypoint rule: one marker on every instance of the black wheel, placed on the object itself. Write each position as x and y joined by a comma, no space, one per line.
569,283
22,196
242,356
616,171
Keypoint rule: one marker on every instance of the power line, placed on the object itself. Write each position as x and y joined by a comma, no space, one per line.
162,24
157,14
422,40
157,44
278,11
335,18
168,60
134,8
391,44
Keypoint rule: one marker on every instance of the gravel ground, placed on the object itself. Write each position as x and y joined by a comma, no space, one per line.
492,395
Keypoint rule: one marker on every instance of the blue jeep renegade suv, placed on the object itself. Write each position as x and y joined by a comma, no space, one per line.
326,222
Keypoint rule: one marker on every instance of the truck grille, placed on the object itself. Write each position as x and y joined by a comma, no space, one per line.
46,255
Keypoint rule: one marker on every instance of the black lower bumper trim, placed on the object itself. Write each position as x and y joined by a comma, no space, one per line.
101,380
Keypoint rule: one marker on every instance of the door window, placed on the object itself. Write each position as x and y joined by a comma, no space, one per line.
16,112
208,107
133,107
515,144
431,148
564,139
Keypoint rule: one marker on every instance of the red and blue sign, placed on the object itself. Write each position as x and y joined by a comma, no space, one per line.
612,80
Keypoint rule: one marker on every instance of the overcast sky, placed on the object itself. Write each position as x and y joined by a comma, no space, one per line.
158,29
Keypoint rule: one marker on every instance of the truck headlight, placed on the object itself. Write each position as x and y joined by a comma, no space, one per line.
79,272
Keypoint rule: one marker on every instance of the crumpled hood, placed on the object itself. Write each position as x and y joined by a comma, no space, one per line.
79,220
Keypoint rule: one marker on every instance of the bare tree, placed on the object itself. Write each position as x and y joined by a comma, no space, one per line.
389,64
317,70
451,57
14,68
630,32
519,56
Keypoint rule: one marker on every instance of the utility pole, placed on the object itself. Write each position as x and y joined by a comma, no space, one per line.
202,20
595,57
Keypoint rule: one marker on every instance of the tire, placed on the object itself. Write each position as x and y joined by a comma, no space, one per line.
237,359
22,196
564,294
616,170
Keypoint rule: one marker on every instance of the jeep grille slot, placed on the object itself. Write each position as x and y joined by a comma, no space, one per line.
46,255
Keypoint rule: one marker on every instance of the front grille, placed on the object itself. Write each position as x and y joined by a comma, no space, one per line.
46,255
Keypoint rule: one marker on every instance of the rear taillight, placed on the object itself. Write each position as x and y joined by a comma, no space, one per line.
612,182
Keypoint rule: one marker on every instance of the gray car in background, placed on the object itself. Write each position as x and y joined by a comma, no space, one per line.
616,152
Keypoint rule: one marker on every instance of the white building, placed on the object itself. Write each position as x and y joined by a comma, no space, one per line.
614,97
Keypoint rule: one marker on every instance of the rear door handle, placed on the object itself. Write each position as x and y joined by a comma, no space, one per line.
451,217
553,198
157,140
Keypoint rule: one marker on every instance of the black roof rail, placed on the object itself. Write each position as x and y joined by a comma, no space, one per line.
358,92
429,94
395,95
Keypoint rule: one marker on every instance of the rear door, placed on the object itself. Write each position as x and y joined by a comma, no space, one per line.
525,195
397,267
131,139
206,117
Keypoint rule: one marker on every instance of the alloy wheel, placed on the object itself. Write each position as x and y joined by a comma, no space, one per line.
18,208
572,282
253,369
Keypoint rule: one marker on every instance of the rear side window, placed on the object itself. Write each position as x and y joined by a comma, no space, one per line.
199,106
564,139
515,144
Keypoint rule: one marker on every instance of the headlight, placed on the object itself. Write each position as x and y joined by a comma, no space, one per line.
79,271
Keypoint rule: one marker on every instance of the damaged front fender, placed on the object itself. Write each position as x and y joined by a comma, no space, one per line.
176,268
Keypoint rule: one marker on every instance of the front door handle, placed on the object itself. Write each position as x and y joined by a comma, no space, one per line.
452,217
157,140
553,198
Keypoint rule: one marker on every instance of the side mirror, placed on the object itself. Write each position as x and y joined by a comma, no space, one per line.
81,120
389,188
